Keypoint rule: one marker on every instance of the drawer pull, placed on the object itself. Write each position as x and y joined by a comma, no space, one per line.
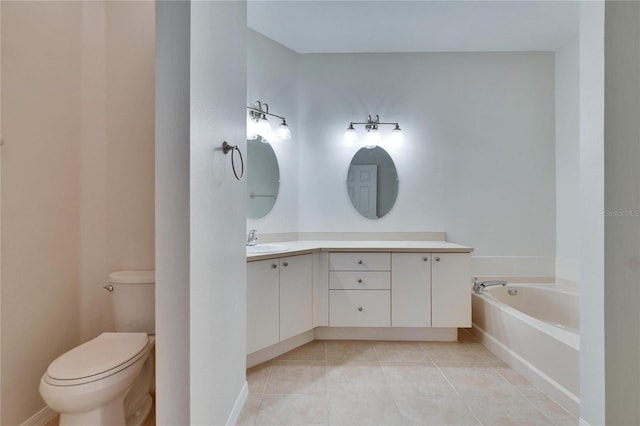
360,308
285,264
359,280
425,259
274,266
437,259
360,262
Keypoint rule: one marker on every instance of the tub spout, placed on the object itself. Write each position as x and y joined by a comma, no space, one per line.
479,286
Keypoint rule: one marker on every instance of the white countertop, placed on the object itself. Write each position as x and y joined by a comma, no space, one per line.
302,247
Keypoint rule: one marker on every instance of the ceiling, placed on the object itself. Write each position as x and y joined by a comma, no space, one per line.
323,26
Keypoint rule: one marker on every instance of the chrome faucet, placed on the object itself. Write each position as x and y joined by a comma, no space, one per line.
252,238
479,286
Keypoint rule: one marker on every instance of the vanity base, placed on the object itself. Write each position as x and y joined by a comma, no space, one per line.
387,333
353,333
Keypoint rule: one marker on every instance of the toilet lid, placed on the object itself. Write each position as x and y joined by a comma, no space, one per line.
106,352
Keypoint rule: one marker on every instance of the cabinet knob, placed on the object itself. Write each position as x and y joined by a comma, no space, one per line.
274,266
360,308
285,264
425,259
437,259
359,280
360,262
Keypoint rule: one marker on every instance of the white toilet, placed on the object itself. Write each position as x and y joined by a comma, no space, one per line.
107,380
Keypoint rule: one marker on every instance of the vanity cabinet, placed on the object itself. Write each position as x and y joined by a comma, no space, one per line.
399,290
279,300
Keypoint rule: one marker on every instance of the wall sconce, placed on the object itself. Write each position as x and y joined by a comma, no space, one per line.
373,133
258,124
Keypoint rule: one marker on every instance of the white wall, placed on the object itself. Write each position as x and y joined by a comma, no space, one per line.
592,278
622,213
272,77
567,92
478,157
201,281
79,148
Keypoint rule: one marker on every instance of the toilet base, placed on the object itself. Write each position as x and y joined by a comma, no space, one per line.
110,414
139,417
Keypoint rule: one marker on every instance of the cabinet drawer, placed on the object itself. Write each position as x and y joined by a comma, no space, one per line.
359,308
360,261
360,280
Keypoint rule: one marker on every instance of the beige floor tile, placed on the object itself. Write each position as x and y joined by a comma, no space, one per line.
441,352
401,352
292,410
435,410
478,380
517,411
297,377
312,351
363,410
350,349
558,415
519,382
410,380
257,377
356,378
249,411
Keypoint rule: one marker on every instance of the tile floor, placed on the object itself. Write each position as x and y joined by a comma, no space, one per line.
394,383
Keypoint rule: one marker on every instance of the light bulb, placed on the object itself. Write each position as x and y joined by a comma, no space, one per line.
263,127
350,135
373,138
251,128
283,131
397,137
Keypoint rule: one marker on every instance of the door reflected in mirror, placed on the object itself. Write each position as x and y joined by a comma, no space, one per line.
372,182
263,178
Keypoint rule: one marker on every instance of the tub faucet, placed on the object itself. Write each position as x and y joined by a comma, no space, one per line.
252,238
478,286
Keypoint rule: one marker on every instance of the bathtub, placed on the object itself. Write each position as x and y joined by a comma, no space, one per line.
536,331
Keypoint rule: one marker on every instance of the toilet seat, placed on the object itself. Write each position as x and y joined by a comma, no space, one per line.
96,359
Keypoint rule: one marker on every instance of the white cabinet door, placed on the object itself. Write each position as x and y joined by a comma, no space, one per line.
296,295
451,290
411,289
263,298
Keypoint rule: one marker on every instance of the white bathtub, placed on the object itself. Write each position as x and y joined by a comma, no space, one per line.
536,332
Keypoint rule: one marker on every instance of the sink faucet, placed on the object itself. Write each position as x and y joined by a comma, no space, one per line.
478,286
252,238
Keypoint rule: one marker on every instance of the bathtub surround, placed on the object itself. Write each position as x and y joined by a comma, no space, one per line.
535,331
77,177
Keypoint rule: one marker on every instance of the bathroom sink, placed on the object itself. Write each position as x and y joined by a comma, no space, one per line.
266,248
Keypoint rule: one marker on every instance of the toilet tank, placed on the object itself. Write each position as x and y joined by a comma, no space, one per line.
133,298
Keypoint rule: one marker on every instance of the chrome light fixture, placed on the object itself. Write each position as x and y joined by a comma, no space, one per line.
373,132
258,124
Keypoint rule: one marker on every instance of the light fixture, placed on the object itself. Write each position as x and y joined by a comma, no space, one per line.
373,132
258,124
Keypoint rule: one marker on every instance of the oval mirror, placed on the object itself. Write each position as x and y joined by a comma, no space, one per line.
263,178
372,182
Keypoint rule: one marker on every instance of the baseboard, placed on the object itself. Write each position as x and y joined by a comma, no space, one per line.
546,384
280,348
41,418
237,407
387,333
